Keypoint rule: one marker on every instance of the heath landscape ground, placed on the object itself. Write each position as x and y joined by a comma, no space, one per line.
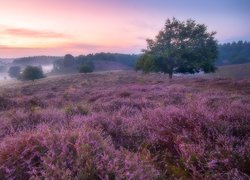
125,125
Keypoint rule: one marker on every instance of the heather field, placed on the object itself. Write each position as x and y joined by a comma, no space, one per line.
125,125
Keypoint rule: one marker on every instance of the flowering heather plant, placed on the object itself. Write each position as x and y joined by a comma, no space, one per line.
76,153
125,126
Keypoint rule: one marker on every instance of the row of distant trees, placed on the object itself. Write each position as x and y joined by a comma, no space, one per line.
34,60
126,59
36,72
85,63
234,53
70,63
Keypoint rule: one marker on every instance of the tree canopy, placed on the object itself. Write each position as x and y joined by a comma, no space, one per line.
68,60
180,47
35,60
85,68
32,73
14,71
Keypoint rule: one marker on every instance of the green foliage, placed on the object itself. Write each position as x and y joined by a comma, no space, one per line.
65,64
85,65
68,60
126,59
68,64
32,73
181,47
234,53
14,71
148,62
85,69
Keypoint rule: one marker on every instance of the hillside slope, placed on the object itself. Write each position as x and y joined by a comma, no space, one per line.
236,71
125,125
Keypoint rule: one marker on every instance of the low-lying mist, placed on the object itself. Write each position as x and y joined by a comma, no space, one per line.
4,76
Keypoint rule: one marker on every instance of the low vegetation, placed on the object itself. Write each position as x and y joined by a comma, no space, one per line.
125,126
85,68
236,71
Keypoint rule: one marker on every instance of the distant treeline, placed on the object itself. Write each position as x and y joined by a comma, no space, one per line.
127,59
234,53
70,63
229,53
35,60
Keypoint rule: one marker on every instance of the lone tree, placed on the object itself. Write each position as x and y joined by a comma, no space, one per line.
181,47
32,73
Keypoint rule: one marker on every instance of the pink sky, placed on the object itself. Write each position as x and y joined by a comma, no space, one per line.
57,27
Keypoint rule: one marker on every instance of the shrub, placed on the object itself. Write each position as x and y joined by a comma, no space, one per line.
32,73
78,109
85,68
5,103
14,71
2,68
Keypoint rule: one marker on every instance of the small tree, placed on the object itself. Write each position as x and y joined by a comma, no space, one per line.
32,73
68,61
2,68
66,64
14,71
181,47
85,68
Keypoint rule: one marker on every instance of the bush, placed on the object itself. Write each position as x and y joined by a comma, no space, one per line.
86,69
32,73
14,71
2,68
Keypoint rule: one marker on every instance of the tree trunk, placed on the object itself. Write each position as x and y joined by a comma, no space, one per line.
170,73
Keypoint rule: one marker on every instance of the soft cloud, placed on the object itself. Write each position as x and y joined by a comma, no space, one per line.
82,45
33,33
80,26
61,49
4,47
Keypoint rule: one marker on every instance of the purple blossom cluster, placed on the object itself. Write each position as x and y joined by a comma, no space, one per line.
125,126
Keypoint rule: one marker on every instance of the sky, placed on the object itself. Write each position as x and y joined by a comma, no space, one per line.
58,27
